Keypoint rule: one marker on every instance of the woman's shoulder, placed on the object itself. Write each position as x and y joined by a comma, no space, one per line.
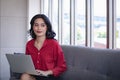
53,41
30,41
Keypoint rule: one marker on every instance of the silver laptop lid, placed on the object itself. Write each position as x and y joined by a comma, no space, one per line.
21,63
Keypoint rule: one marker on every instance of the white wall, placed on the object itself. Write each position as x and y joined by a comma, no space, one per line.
0,40
15,16
33,8
13,28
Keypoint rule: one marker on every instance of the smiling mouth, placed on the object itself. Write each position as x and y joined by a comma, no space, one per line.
39,31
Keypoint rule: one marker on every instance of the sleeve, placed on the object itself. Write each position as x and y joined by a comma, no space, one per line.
60,61
26,50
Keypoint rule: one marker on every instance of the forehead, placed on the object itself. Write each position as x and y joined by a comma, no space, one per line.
39,20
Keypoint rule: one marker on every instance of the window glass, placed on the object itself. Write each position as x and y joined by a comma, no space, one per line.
55,17
99,24
46,7
80,22
118,24
66,22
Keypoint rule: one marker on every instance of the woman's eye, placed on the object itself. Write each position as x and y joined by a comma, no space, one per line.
43,25
35,24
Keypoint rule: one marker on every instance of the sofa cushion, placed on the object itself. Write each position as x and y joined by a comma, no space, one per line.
86,63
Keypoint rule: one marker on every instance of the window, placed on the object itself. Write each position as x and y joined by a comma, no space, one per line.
55,17
80,22
117,24
90,23
99,24
66,22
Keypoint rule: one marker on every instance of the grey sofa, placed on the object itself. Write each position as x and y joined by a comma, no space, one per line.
86,63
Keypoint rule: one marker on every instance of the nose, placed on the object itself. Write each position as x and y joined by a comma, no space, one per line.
39,26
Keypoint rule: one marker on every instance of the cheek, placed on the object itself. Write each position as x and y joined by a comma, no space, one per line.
34,28
45,29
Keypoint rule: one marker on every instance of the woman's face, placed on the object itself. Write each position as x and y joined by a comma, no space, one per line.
39,27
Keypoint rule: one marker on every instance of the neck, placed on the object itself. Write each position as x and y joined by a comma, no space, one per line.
39,42
40,39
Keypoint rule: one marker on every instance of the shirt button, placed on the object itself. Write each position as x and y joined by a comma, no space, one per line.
38,52
37,61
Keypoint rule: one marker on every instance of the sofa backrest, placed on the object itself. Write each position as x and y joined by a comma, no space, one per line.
86,63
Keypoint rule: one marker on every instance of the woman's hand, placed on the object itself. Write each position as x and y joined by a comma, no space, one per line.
44,73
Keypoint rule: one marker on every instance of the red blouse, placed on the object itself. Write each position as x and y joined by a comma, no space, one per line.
49,57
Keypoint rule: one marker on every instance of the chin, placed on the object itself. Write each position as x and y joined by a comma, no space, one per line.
40,35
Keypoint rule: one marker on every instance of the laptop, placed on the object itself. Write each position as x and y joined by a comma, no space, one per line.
21,63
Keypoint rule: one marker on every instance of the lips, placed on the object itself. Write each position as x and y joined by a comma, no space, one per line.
39,31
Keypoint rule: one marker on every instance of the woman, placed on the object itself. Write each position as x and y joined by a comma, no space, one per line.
45,51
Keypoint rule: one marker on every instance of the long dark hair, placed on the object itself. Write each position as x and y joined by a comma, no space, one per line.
50,34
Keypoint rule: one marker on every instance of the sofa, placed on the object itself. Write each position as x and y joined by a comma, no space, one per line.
85,63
